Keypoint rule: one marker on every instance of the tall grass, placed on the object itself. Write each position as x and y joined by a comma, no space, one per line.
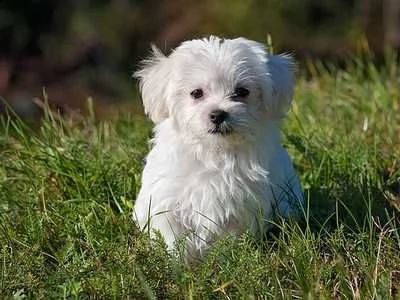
67,189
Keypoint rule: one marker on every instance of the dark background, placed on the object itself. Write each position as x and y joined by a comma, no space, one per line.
79,48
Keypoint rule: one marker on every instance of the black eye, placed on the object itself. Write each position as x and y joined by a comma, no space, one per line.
197,93
241,92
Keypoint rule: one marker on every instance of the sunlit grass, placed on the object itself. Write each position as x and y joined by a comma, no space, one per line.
67,191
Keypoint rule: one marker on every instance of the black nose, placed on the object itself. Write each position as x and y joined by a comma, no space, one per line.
218,116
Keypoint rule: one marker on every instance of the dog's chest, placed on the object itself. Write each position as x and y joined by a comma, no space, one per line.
220,197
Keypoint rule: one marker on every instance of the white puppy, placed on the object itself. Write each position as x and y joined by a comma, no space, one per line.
216,165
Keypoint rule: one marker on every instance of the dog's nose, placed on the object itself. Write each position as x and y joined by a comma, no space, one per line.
218,116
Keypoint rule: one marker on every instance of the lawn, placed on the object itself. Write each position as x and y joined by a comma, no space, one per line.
67,190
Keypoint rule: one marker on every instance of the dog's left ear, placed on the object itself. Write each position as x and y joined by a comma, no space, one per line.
277,76
278,90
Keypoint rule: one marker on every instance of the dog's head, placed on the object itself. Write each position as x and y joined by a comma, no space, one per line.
217,89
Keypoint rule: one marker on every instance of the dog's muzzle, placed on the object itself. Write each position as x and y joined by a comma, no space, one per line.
218,119
218,116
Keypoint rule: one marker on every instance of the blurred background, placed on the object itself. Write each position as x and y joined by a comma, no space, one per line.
74,49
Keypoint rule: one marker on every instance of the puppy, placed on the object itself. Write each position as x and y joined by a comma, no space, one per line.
216,165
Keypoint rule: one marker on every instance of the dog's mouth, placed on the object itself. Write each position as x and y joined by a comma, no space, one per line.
222,130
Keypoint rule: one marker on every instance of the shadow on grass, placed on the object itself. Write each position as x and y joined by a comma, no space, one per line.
344,187
348,206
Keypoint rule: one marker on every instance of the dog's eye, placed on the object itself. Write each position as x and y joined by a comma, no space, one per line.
241,92
197,93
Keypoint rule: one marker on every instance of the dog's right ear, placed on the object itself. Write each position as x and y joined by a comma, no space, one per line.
154,78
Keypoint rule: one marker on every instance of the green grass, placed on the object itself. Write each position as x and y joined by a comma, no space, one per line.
67,191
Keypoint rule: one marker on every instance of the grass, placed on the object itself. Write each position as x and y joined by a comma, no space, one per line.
67,191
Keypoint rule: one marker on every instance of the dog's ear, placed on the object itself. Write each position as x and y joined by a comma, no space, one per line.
277,76
154,80
278,94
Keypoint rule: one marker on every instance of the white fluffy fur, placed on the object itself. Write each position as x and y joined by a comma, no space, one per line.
199,186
